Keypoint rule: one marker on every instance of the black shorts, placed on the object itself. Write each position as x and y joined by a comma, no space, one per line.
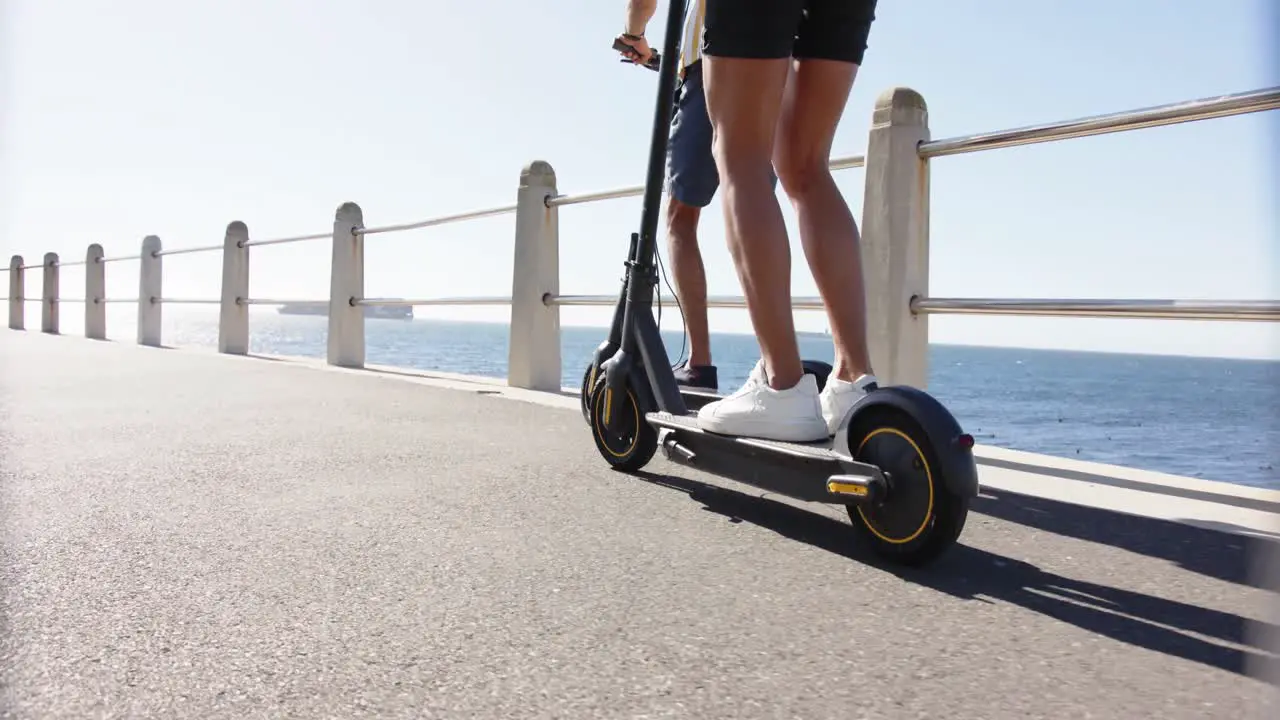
816,29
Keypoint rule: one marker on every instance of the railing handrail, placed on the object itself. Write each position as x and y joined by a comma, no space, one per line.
470,300
189,250
1241,103
442,220
117,258
1240,310
282,241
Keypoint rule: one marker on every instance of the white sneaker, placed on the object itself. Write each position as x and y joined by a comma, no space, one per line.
839,396
757,410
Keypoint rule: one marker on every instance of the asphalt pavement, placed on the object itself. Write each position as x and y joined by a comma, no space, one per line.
192,535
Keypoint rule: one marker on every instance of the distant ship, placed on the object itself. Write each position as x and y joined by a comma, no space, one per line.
811,334
381,312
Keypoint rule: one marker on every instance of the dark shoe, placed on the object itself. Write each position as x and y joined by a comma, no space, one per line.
696,376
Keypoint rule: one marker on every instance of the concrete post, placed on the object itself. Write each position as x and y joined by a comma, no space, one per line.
49,295
534,349
150,291
346,283
95,292
895,238
17,297
233,320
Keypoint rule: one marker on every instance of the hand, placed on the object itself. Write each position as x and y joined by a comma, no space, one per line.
638,50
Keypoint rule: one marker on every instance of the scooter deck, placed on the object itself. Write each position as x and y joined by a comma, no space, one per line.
807,471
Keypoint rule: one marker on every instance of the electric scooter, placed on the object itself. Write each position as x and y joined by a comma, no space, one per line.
899,461
694,397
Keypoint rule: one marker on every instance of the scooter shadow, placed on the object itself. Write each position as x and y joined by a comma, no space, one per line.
969,573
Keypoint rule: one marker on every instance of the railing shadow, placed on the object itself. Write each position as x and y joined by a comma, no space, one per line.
1221,555
256,356
483,387
1135,618
107,340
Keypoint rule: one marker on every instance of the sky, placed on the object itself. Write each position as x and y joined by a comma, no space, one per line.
124,118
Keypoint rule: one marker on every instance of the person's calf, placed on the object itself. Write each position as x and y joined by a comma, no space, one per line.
690,279
757,239
829,237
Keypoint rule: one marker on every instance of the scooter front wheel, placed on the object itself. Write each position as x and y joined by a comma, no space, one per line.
584,390
632,442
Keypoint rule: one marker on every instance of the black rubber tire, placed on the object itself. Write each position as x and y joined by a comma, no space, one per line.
940,526
818,369
584,393
632,452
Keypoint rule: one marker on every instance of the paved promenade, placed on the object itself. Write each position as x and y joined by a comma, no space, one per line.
193,535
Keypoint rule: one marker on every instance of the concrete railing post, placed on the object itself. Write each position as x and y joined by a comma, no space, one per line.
233,320
49,295
95,293
534,353
895,238
17,296
150,291
346,283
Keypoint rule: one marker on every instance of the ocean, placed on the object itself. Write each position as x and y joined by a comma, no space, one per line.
1206,418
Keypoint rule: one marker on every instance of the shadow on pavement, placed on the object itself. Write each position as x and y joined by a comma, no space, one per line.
1215,554
485,388
256,356
1146,621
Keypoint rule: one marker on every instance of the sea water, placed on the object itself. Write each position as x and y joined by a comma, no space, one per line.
1199,417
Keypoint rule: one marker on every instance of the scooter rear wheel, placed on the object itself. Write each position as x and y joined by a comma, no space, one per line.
919,517
634,441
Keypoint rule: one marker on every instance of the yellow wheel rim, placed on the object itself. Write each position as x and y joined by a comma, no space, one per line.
598,423
928,472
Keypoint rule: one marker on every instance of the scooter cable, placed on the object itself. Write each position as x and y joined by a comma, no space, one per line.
684,328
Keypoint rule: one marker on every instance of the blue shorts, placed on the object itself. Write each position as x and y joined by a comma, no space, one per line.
691,168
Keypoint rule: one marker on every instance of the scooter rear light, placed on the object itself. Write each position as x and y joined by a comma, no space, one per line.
965,441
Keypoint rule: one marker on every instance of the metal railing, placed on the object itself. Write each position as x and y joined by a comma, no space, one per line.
536,299
282,241
429,302
442,220
1172,114
1238,310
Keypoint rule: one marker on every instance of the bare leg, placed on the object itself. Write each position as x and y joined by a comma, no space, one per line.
743,100
813,103
690,277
